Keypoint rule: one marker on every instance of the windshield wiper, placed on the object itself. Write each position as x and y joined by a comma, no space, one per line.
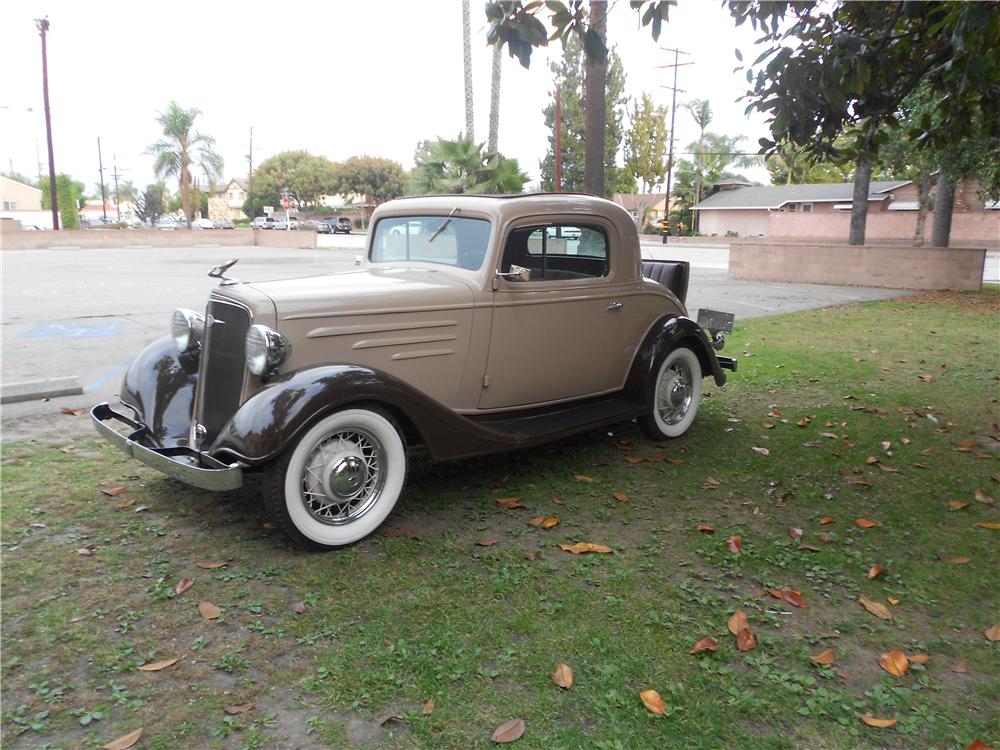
444,224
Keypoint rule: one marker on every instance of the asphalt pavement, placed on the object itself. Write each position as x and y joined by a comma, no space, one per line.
86,313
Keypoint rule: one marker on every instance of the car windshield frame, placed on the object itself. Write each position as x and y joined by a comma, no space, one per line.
453,241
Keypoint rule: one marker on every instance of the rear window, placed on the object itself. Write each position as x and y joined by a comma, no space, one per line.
450,241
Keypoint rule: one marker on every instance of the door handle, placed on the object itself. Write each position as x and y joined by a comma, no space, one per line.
615,306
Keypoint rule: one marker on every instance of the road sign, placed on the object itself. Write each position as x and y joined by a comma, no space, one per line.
284,203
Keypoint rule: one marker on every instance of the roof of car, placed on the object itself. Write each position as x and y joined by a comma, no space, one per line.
507,206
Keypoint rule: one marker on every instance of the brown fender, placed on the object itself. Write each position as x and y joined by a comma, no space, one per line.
159,386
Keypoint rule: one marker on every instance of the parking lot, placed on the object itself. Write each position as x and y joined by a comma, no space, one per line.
85,313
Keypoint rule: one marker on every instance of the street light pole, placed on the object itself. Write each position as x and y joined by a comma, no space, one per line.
43,26
100,170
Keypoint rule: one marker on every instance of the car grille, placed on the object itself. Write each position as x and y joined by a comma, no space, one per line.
222,366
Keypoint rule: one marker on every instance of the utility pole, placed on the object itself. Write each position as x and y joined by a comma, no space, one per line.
670,151
42,24
118,205
250,177
558,140
100,170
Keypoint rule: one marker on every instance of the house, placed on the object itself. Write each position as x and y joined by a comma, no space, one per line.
23,203
227,202
823,210
643,207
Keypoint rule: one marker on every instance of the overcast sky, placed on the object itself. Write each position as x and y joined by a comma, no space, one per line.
337,78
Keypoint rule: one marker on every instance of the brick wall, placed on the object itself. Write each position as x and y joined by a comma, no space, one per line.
888,266
97,238
976,228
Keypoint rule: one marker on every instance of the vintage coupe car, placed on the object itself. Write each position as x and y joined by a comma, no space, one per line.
476,324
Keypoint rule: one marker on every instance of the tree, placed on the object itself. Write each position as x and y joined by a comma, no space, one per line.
461,166
491,144
791,165
847,69
712,154
306,176
646,143
70,195
467,67
126,191
568,77
182,147
377,179
595,83
18,177
149,204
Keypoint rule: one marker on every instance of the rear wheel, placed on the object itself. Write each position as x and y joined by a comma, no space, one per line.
340,481
676,395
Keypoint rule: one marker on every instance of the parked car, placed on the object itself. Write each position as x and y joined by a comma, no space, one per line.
263,222
202,224
223,224
342,224
168,223
323,227
438,338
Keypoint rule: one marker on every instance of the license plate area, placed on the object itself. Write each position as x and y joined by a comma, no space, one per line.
716,321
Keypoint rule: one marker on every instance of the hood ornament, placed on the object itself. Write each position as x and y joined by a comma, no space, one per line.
216,273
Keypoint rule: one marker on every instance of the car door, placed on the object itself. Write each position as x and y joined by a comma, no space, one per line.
561,334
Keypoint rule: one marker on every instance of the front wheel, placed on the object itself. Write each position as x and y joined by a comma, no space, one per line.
340,481
676,395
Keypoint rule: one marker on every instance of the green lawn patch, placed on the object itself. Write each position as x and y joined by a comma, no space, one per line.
882,411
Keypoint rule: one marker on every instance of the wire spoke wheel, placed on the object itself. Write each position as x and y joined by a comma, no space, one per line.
342,478
675,396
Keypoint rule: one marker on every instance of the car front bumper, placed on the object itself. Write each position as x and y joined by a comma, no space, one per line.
186,464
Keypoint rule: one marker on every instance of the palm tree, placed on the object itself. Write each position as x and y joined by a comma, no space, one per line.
460,166
491,145
467,52
181,147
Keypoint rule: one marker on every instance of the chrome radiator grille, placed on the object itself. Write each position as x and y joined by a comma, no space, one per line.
223,368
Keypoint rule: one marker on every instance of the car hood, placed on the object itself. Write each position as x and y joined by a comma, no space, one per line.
377,289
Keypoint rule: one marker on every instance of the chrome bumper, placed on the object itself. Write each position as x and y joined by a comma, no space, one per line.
185,464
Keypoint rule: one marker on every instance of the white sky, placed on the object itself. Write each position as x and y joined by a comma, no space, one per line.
337,78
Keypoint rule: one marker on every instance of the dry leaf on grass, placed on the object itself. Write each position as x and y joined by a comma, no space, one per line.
737,622
211,565
183,585
808,548
653,702
955,560
795,533
239,708
114,491
960,669
300,608
878,723
711,483
957,505
920,659
508,731
876,608
793,597
734,544
992,633
428,708
826,520
156,666
582,547
705,644
208,610
124,742
978,744
510,502
864,523
634,459
895,663
761,451
126,504
71,411
563,676
876,570
401,532
486,542
826,657
704,528
620,497
988,524
546,522
926,378
584,478
983,497
745,640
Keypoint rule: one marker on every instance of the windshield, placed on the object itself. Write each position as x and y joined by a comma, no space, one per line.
451,241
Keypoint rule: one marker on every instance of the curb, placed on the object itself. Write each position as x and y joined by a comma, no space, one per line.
36,390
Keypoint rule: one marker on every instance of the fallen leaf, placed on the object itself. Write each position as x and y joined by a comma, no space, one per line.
711,482
871,460
634,459
563,676
876,570
401,532
878,723
885,445
71,411
124,742
675,461
825,537
85,551
582,547
620,497
156,666
864,523
804,422
737,622
704,528
957,505
208,610
895,663
211,565
960,668
141,508
918,658
486,542
926,378
983,497
390,717
705,644
114,491
956,560
761,451
888,469
557,501
735,544
795,533
183,585
508,731
546,522
299,608
793,597
745,640
876,608
992,633
510,502
978,744
826,520
428,708
988,524
808,548
826,657
584,478
653,702
239,708
768,426
126,504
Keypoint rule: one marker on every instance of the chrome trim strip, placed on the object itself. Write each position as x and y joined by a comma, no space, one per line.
400,341
376,328
425,353
380,311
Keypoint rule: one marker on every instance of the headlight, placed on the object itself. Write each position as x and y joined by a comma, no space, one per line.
187,328
266,349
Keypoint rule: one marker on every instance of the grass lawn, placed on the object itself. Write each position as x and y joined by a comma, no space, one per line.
883,411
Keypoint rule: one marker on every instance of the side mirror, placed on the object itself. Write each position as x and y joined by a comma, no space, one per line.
516,273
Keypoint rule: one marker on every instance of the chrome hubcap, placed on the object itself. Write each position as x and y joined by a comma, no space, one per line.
673,393
343,477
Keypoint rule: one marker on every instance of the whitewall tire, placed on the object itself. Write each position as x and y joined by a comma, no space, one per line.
676,395
340,481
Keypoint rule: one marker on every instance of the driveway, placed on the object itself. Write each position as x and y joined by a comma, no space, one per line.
85,313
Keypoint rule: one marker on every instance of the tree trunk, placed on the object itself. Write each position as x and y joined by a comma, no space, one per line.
495,100
467,52
944,204
859,199
924,183
596,114
185,196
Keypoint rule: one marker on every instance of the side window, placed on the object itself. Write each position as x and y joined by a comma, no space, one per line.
557,252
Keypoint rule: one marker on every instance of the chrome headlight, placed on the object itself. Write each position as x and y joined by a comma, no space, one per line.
187,328
266,349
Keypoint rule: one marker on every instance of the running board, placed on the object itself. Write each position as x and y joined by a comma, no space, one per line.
535,425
